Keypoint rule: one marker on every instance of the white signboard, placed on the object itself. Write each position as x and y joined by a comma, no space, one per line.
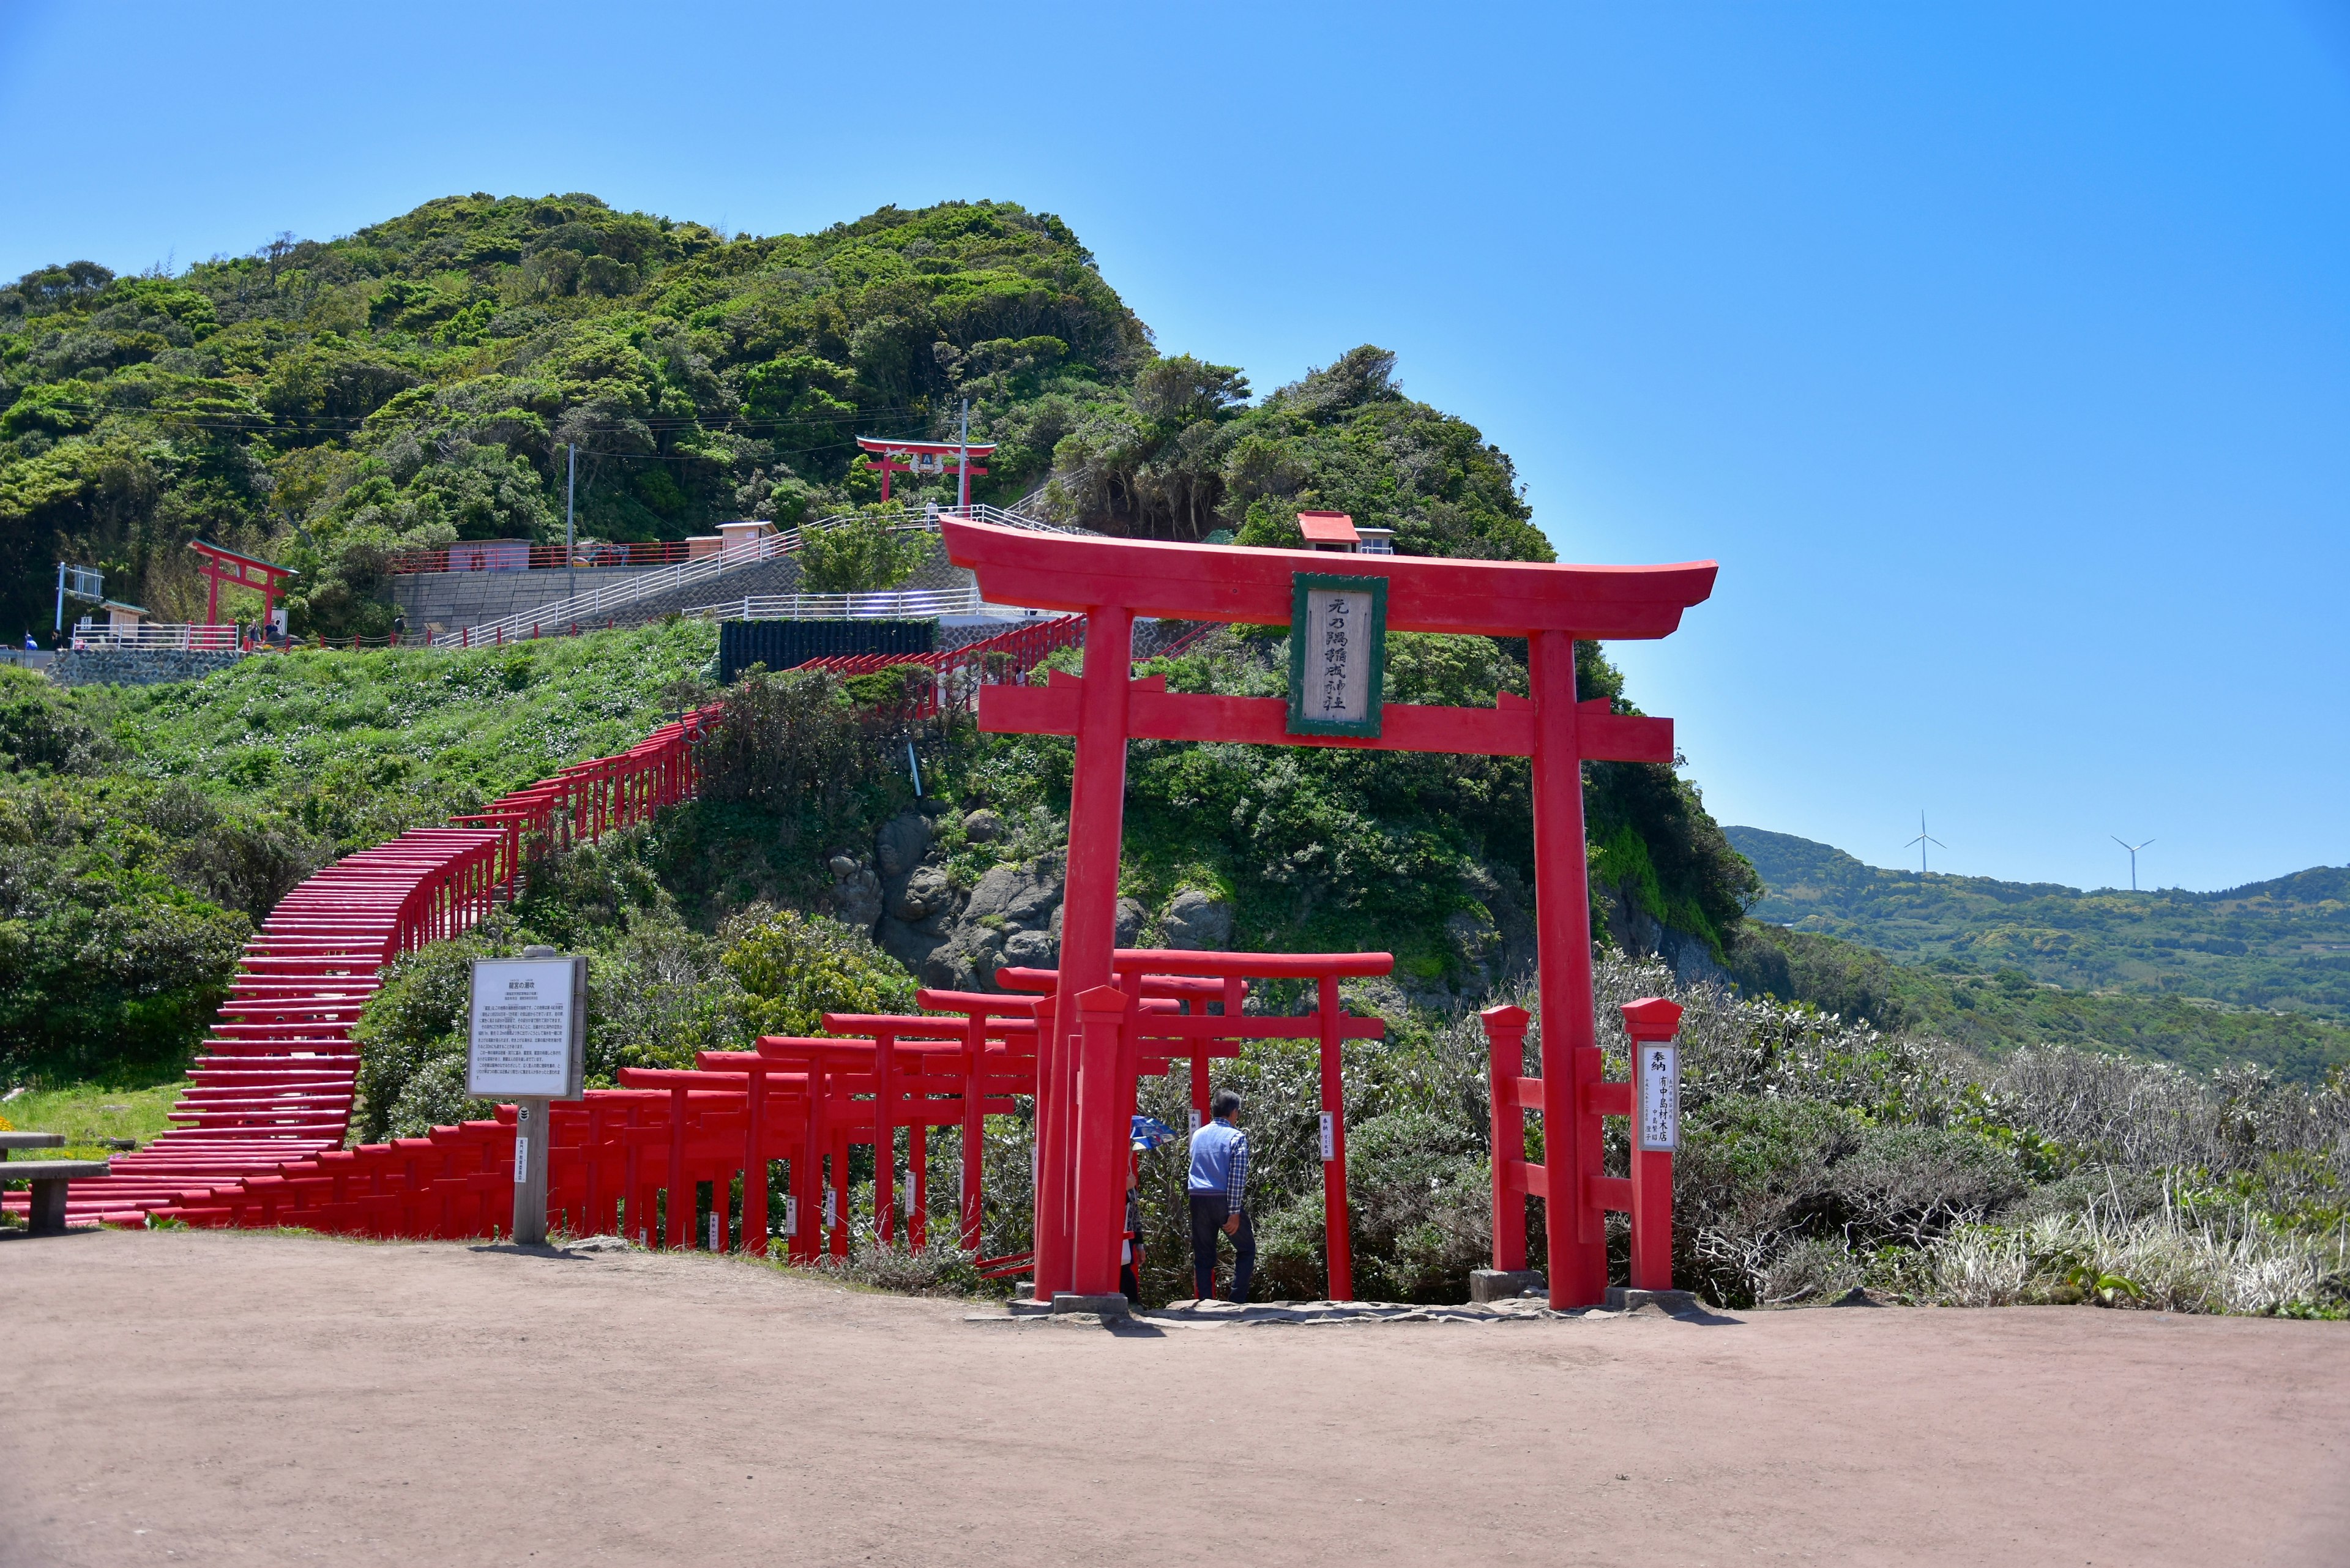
1195,1119
1329,1137
1659,1079
791,1216
528,1028
831,1204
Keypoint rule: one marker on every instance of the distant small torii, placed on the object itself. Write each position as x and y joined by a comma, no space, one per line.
893,454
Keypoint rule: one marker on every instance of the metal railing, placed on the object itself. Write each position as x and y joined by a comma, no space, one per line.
562,614
908,603
166,637
522,556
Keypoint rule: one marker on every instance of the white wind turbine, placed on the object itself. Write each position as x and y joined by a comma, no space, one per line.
1920,843
2133,849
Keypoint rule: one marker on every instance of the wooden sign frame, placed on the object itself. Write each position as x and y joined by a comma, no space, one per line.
1302,641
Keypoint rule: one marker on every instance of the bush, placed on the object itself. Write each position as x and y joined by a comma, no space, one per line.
863,555
794,969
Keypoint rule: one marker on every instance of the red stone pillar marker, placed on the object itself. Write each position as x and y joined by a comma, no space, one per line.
1576,1230
1506,1048
1656,1132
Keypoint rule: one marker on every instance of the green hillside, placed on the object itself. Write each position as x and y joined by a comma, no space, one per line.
2283,944
325,404
2195,978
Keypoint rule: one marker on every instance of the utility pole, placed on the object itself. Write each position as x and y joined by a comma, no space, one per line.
570,493
963,498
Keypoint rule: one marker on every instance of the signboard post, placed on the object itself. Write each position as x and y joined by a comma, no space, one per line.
526,1043
1655,1109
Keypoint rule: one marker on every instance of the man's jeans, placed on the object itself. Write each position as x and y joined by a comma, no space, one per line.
1208,1212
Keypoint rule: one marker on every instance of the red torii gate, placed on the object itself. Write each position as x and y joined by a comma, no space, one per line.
891,455
223,565
1081,1188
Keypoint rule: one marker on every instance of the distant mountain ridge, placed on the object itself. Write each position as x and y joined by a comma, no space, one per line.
2281,945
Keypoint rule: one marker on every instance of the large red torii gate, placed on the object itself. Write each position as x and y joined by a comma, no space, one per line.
1081,1176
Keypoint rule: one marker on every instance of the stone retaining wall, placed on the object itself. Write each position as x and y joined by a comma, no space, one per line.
136,666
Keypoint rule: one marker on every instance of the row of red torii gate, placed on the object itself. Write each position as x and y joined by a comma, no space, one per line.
1079,1039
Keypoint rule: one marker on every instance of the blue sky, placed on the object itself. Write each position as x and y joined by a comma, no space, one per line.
2000,354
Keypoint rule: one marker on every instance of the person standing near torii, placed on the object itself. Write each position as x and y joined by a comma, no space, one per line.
1218,1188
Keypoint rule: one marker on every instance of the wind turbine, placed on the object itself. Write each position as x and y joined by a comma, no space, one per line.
2133,849
1920,843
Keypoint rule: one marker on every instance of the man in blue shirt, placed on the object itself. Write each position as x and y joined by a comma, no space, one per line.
1218,1185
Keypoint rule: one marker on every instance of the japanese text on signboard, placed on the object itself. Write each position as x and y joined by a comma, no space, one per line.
1660,1097
522,1025
1337,644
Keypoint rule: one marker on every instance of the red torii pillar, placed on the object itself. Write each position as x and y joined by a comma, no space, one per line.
1080,1209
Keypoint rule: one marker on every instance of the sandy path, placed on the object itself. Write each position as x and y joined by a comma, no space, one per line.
195,1397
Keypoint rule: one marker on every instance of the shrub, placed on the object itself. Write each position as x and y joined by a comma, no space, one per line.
863,555
794,969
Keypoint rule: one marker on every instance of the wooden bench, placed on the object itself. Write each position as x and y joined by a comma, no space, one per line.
49,1177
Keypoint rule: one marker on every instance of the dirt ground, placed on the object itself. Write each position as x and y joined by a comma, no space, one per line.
210,1398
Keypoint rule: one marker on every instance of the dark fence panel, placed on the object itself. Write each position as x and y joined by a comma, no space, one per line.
787,644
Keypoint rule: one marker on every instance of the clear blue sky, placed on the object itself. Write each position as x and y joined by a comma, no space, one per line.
2000,354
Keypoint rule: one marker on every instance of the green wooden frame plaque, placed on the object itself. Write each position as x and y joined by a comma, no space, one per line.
1338,653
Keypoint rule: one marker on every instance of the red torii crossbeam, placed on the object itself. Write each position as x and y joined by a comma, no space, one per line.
222,565
1080,1207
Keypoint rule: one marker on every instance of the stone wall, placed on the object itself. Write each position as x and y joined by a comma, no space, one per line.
136,666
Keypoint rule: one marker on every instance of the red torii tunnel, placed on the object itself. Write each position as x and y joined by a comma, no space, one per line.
1081,1081
1153,1039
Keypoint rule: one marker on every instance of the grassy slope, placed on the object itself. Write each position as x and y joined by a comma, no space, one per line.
358,746
89,1113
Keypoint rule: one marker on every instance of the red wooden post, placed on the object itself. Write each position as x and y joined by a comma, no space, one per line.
1092,1168
973,1128
681,1196
1101,1203
808,1173
885,1134
839,1241
1505,1052
754,1159
1335,1224
918,1225
1573,1229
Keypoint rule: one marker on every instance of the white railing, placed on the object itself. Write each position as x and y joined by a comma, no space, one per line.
908,603
562,614
159,635
584,608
